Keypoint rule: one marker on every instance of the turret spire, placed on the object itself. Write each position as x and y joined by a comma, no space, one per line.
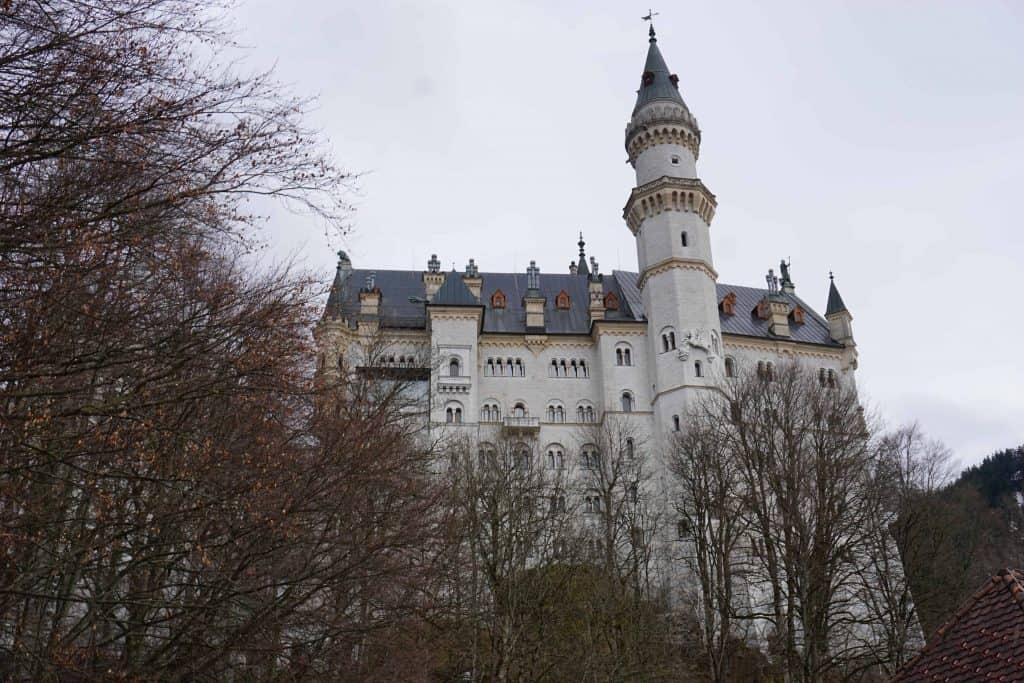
835,302
582,268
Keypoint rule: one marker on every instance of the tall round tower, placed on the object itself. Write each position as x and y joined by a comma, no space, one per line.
669,212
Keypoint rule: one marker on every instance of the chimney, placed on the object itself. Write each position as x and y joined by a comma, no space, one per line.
472,279
534,301
433,278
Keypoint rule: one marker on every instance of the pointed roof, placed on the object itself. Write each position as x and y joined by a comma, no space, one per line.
657,82
454,292
582,268
335,299
980,641
835,302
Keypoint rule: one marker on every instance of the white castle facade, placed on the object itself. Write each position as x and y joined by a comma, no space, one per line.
538,354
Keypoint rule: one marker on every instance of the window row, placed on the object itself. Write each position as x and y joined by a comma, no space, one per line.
560,367
554,457
504,367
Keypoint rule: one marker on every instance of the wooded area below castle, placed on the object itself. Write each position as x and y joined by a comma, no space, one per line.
182,498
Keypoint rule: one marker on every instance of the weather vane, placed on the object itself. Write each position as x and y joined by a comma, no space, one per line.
650,17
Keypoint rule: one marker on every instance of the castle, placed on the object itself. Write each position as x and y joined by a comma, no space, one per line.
538,354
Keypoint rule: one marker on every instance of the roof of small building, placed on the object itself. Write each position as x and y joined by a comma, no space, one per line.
981,642
397,286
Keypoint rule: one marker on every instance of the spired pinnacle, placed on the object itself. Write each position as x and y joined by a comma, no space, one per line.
582,268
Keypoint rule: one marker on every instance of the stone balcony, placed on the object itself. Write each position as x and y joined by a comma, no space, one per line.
453,385
521,424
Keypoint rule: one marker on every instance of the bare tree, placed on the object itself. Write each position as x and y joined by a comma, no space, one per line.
513,541
804,459
711,516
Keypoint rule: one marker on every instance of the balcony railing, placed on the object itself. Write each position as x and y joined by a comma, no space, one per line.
521,423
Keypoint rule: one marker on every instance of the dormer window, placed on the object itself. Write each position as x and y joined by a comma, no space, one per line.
674,80
562,301
498,299
647,78
611,302
763,309
729,304
798,315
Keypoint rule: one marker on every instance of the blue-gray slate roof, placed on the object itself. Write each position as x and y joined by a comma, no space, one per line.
397,286
660,86
835,302
454,292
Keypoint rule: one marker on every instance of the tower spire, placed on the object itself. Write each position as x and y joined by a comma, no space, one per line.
582,268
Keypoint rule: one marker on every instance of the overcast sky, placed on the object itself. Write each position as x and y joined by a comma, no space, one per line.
880,140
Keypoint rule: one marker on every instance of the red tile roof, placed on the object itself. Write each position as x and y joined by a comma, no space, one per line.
984,641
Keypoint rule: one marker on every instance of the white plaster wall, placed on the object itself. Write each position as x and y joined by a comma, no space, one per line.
656,161
660,237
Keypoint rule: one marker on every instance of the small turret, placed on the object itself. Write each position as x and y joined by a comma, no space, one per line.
840,320
334,300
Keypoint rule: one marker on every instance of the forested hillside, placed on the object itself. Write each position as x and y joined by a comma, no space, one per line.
965,532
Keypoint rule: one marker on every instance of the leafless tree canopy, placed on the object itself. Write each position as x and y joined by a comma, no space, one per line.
780,485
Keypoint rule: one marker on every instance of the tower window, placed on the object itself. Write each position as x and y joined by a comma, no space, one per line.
698,369
675,159
730,366
683,238
675,423
453,367
627,402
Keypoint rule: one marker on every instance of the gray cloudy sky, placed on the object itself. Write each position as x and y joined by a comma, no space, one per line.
882,140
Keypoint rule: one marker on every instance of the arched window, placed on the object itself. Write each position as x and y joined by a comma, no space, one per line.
562,301
683,237
766,370
618,357
590,458
627,402
628,356
584,372
580,414
523,457
551,414
730,366
630,448
611,302
486,456
553,368
498,299
555,457
590,414
559,414
519,410
453,413
453,367
558,505
698,369
675,423
575,368
664,342
520,368
672,340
